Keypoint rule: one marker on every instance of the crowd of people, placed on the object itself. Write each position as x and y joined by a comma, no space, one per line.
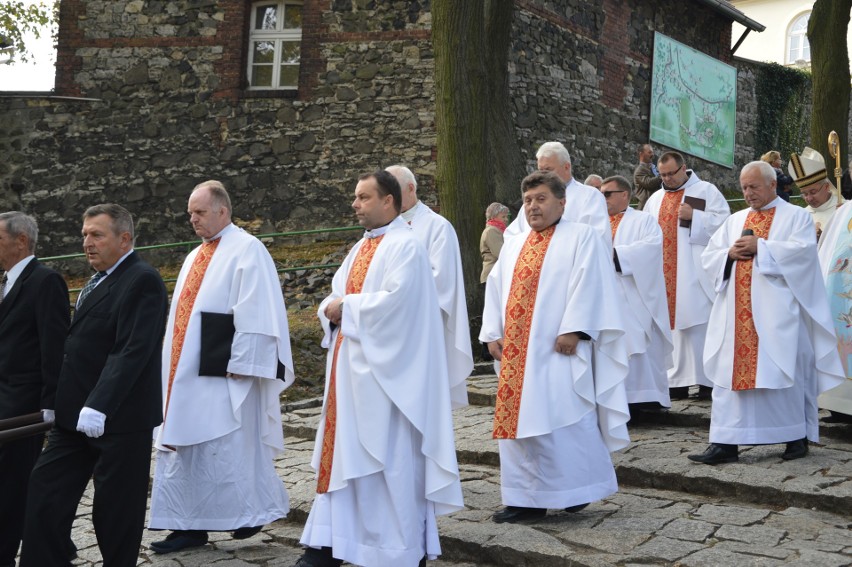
594,312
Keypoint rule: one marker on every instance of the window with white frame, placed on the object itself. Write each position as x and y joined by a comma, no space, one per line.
799,49
275,43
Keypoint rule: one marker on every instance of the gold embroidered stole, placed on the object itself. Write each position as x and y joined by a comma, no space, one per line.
516,335
745,334
668,220
614,221
184,308
354,283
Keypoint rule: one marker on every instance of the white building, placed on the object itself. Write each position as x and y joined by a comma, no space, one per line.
785,40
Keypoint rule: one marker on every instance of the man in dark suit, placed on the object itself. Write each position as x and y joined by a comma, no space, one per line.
107,403
34,315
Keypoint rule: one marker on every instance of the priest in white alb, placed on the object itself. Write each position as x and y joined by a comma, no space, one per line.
221,426
771,347
637,243
439,238
550,321
583,204
385,451
689,210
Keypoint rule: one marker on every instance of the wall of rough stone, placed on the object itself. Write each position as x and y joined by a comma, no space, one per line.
156,103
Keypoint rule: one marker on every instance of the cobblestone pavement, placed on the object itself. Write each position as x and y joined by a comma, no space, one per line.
669,511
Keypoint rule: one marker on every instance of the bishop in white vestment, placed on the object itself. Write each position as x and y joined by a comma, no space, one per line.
438,236
219,436
561,405
771,347
385,452
689,211
835,259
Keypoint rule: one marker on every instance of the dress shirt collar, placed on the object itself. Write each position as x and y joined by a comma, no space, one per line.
13,274
408,215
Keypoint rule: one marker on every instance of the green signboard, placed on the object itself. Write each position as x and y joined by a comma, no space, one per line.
693,102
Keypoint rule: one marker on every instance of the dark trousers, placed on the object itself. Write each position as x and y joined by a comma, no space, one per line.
16,461
119,465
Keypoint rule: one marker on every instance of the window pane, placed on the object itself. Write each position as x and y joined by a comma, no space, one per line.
292,16
290,51
289,76
806,52
801,24
266,17
261,75
264,52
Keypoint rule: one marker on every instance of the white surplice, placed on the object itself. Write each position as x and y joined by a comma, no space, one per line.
823,214
583,204
694,296
835,259
573,408
638,244
214,467
797,349
439,238
394,445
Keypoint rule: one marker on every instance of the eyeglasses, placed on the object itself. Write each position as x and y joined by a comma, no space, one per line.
672,174
608,194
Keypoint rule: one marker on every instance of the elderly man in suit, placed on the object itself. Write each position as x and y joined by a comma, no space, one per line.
107,402
34,315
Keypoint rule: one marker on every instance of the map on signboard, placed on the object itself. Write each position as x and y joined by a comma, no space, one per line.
693,102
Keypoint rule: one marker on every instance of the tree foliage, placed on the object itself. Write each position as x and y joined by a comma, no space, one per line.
827,28
782,121
19,18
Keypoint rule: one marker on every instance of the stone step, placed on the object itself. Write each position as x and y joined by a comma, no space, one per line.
656,458
646,526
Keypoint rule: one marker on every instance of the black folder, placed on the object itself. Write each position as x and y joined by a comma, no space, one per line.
217,336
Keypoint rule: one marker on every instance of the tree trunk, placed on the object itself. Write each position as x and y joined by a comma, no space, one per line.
478,155
507,166
830,71
458,30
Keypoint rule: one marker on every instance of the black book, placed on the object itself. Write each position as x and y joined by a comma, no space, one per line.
217,336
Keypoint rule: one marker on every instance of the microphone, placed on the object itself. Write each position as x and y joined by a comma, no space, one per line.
747,232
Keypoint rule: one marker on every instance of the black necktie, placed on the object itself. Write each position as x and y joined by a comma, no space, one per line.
3,281
89,287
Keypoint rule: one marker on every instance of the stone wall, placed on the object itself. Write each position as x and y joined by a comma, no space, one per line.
155,102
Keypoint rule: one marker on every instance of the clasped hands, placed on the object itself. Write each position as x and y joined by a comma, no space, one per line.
334,311
565,344
744,248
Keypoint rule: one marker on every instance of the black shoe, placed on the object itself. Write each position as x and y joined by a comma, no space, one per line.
245,533
704,393
511,514
679,393
422,562
180,539
575,509
318,558
837,417
717,453
796,449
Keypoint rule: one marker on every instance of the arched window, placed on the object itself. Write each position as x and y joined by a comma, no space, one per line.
799,49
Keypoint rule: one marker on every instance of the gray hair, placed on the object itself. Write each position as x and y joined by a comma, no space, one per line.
122,220
18,223
218,194
766,170
555,149
403,175
621,182
593,177
494,210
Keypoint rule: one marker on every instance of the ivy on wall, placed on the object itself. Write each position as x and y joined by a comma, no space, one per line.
783,98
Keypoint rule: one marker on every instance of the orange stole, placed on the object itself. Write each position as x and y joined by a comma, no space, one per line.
184,308
668,220
745,335
614,221
516,335
354,283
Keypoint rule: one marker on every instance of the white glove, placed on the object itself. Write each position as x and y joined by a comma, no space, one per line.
48,415
91,422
